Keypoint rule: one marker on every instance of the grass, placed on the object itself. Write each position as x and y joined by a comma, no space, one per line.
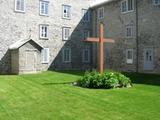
50,96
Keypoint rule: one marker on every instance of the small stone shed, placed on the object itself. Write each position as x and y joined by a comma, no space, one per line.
25,57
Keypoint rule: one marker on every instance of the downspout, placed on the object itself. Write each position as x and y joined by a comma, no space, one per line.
137,40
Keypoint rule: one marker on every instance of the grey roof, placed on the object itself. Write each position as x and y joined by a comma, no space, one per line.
101,3
20,43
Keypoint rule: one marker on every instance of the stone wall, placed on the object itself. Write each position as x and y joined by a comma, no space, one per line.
115,26
16,26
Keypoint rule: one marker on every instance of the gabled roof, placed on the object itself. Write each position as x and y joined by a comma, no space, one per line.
101,2
20,43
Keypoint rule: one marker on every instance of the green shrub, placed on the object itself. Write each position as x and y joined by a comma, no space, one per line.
105,80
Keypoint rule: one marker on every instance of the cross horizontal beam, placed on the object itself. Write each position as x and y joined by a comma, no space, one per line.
97,40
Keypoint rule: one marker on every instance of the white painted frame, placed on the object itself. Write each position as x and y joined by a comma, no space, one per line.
40,7
131,28
40,31
87,13
101,9
129,61
127,11
63,55
83,55
47,54
15,7
64,38
63,14
154,2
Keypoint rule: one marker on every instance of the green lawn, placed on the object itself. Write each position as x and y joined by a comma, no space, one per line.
50,96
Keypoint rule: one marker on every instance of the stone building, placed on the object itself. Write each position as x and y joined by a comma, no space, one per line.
134,25
59,26
54,31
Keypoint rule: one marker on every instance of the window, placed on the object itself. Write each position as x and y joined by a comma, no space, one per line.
129,32
129,56
86,15
44,31
1,55
44,7
20,5
66,33
156,2
45,55
86,34
66,11
86,55
66,55
101,13
127,6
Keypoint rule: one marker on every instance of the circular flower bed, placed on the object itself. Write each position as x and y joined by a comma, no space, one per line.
106,80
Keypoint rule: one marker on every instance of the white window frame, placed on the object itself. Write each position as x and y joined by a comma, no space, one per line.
45,53
127,6
129,60
154,2
40,7
64,37
131,30
101,13
66,15
86,34
88,57
63,55
85,15
24,5
41,33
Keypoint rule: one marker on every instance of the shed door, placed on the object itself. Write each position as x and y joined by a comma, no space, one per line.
148,59
31,61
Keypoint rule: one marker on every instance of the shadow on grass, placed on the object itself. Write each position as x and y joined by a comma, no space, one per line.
60,83
71,72
142,78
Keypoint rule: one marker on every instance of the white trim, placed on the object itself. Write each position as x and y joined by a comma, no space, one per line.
129,60
69,55
44,32
40,7
66,15
127,11
154,2
86,13
131,28
101,9
88,57
64,37
24,6
45,51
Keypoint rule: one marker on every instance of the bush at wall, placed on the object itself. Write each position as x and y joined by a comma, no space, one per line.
105,80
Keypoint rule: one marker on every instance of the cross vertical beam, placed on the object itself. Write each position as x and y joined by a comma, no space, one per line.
101,46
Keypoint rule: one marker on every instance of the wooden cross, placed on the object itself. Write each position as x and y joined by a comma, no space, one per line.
101,41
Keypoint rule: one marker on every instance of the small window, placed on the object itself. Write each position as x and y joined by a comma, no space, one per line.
20,5
44,7
66,55
101,13
45,55
129,32
44,31
124,6
66,33
156,2
127,6
86,55
1,55
86,15
129,56
66,11
86,34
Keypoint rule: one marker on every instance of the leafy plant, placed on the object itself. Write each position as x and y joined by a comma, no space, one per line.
105,80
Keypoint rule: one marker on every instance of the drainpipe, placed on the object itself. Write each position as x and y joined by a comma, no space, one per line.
137,40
